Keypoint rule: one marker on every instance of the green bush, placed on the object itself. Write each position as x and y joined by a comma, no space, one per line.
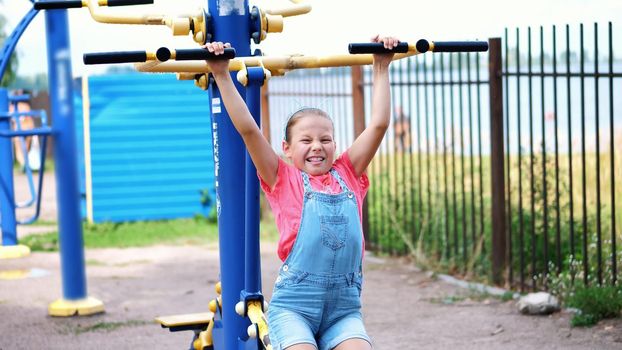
595,303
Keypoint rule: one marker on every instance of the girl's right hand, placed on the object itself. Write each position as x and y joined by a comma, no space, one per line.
217,66
389,42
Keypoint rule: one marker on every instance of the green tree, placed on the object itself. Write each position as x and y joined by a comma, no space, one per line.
11,70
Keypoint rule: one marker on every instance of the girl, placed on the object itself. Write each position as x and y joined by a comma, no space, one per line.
317,205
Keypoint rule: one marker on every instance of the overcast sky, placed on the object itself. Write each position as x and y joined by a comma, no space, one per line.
330,26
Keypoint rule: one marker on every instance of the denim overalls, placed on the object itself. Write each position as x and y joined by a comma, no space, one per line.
316,297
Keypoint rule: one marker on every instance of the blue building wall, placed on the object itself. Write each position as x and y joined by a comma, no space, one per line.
151,147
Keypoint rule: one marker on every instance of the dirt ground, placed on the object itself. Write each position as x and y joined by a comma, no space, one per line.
404,308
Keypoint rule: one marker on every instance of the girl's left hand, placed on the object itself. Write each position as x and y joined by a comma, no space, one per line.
217,66
389,43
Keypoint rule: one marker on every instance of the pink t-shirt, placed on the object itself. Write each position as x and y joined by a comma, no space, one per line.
287,196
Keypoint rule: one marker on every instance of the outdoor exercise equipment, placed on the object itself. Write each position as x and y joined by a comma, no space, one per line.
41,133
235,319
75,300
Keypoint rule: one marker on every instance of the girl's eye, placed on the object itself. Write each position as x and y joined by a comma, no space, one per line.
305,141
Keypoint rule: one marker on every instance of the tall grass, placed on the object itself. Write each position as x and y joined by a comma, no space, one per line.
436,208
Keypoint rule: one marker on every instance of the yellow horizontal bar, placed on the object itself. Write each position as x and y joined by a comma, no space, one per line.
276,65
104,16
294,10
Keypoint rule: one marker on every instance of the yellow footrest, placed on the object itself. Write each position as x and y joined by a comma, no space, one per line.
14,251
186,321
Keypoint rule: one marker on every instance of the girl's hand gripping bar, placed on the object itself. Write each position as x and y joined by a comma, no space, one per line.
163,54
69,4
357,48
422,46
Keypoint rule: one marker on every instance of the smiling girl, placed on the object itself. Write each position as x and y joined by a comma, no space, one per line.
316,201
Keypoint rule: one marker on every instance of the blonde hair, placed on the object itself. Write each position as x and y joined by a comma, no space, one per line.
299,114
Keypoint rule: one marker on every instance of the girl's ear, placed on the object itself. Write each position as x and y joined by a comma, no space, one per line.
286,149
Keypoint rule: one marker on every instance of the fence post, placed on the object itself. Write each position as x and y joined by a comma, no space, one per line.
358,114
497,175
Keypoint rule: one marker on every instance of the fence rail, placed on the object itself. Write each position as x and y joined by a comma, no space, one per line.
478,172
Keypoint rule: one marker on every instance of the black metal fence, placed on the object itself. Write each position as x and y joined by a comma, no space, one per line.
562,162
503,168
429,190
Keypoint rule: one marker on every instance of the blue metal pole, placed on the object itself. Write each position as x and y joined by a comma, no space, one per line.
66,165
7,191
231,24
253,261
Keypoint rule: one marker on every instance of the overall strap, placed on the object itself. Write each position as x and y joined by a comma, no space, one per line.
307,183
335,174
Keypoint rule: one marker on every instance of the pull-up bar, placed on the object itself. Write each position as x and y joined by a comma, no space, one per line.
72,4
360,54
422,46
163,54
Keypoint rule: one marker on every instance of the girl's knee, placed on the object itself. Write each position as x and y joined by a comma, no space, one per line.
354,344
302,347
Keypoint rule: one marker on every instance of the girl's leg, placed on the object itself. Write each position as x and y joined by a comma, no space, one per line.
354,344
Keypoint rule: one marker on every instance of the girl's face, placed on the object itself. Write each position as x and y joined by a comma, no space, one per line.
311,147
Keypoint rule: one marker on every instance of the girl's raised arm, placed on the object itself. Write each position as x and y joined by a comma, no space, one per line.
265,159
365,146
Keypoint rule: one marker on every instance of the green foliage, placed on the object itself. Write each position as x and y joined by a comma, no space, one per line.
507,296
207,201
133,234
435,220
35,82
197,230
595,303
422,205
10,73
108,326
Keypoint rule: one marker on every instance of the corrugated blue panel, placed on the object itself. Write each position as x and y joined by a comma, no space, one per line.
151,147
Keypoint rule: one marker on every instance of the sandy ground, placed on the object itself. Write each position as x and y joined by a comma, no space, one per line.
404,308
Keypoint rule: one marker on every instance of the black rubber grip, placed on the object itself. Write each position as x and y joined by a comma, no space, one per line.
115,57
376,48
460,46
202,54
128,2
56,5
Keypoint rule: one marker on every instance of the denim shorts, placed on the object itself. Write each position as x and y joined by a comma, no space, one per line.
315,309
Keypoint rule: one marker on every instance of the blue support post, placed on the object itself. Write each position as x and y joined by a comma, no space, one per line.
231,24
252,282
253,260
75,299
252,275
7,191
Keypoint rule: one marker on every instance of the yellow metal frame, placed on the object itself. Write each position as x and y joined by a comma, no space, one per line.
271,21
278,65
14,251
258,319
82,307
179,25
